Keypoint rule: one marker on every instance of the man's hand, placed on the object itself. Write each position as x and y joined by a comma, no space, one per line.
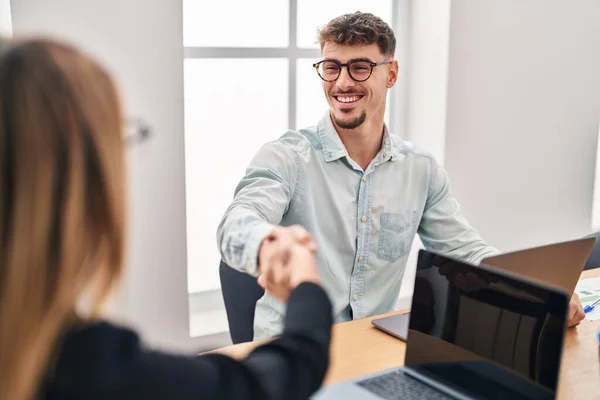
576,314
300,267
275,254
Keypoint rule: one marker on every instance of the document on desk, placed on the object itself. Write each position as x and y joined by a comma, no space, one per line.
589,291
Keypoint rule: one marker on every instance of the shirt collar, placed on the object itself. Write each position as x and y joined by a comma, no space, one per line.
334,149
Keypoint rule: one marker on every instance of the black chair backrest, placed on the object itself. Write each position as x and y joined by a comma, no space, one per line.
594,259
240,294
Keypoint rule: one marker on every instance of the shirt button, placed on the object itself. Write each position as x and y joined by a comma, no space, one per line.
364,218
355,297
360,259
364,178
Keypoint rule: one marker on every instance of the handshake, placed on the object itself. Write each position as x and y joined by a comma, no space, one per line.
286,258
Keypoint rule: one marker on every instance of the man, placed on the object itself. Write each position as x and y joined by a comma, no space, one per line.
360,191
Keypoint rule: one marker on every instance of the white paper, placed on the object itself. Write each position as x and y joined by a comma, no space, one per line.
589,291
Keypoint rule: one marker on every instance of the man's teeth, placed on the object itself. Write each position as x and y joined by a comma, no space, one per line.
348,99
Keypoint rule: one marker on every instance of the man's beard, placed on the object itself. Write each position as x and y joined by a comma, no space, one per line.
355,123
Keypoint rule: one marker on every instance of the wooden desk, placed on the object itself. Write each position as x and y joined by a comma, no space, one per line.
358,349
580,367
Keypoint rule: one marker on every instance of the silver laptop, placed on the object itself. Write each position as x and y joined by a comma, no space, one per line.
395,325
482,333
556,264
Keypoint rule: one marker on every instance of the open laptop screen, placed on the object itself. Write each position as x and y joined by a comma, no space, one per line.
483,332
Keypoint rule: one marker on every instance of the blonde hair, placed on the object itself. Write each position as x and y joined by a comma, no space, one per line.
62,208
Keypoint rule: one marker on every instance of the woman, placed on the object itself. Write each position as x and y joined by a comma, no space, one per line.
62,238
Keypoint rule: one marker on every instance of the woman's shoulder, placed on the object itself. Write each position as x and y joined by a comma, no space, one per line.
89,355
101,341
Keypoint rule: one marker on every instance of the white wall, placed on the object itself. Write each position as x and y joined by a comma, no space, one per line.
5,20
595,225
522,117
141,41
422,115
427,65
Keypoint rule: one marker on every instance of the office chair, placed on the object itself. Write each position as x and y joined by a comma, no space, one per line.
594,259
240,294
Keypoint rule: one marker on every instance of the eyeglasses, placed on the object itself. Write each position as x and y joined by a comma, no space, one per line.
359,70
136,131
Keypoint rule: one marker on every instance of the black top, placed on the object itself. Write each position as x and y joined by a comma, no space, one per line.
103,361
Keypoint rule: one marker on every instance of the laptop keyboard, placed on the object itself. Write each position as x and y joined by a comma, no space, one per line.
397,385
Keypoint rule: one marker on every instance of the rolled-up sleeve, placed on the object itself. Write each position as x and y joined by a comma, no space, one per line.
261,199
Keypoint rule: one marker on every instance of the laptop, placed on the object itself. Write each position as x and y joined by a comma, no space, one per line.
557,264
395,325
482,334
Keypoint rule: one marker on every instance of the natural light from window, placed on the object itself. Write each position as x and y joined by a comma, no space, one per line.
245,83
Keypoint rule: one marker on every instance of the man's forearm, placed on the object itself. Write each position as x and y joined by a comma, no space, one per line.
239,236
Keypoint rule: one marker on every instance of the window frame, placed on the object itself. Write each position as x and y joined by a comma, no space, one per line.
293,53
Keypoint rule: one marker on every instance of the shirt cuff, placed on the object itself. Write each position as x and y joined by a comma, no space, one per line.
252,246
487,252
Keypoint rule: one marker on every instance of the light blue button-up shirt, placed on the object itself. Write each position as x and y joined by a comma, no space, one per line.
364,222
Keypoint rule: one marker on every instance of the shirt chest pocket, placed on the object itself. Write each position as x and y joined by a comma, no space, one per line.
396,234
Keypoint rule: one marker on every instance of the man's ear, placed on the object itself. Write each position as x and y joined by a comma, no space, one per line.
392,74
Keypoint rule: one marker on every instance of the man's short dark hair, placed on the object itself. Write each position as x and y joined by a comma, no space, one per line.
359,29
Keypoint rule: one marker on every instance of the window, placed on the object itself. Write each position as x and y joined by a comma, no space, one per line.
315,13
5,19
228,117
247,80
227,23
